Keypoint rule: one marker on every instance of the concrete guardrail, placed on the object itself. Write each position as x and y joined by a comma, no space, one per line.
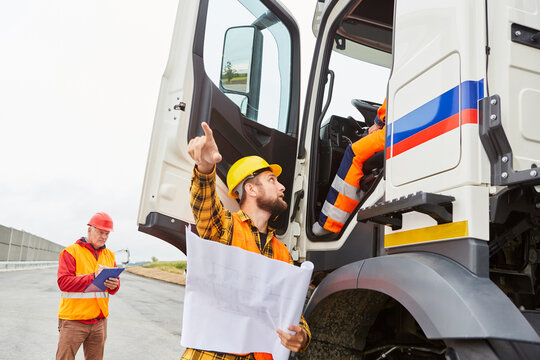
20,248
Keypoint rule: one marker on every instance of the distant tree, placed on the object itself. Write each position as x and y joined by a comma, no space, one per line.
154,259
229,72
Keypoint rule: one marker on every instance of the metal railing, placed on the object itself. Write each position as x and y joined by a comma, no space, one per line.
24,265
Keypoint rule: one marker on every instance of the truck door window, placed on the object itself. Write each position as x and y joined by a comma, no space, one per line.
263,95
354,80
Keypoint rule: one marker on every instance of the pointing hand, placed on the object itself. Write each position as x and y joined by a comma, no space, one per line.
204,150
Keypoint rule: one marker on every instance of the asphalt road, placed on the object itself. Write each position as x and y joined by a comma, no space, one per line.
145,320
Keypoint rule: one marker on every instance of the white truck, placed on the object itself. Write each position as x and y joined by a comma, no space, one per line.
441,257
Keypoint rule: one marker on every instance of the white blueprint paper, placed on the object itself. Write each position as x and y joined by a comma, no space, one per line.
235,299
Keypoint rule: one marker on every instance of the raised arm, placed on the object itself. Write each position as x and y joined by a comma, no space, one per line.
204,150
213,221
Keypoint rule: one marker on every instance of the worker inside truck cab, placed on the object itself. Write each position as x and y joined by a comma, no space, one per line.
254,183
344,193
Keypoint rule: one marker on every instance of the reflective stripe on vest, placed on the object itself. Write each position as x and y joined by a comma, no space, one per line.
84,306
335,213
342,187
242,237
88,295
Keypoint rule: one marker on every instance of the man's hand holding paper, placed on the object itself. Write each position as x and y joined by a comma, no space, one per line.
293,342
228,309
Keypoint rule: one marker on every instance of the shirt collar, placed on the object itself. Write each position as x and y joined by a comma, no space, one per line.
82,241
244,217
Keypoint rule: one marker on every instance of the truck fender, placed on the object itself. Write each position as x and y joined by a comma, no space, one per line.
446,299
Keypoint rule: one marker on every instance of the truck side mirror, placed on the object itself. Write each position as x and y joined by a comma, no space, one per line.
237,59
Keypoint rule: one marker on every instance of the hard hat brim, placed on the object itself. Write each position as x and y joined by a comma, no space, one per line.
276,169
102,228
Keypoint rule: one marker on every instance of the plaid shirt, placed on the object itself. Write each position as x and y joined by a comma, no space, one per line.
192,354
215,223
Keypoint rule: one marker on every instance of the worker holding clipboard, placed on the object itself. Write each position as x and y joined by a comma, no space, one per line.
87,275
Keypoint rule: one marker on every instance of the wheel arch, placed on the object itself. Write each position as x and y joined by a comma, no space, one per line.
446,299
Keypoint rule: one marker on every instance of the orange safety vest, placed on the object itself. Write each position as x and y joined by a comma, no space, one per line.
85,306
242,237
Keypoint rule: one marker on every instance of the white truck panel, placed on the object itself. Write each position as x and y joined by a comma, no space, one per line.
513,74
427,158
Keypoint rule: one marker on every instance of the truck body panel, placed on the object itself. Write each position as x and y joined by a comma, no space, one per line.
440,257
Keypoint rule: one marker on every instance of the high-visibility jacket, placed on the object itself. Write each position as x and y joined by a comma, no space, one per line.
242,237
85,306
344,193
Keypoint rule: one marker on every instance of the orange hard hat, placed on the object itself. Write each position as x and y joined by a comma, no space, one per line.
101,221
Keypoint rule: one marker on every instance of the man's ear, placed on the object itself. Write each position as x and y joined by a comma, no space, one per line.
250,189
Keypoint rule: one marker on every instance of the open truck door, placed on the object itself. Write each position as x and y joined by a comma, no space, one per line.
251,104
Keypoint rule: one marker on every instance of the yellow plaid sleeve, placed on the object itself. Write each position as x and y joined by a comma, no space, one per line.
193,354
304,325
213,221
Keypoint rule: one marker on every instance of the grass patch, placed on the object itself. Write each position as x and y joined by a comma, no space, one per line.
177,267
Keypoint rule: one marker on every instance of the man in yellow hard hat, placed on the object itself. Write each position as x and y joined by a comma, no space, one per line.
254,183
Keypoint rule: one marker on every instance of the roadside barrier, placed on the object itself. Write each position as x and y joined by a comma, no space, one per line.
25,265
17,246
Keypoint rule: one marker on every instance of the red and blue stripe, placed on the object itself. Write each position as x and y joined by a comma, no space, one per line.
435,118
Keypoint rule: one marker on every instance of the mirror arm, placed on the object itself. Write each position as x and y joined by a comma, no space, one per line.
255,77
265,21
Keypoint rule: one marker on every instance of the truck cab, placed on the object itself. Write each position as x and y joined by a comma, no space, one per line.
440,257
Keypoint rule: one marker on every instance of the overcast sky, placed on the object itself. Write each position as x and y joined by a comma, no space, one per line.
79,82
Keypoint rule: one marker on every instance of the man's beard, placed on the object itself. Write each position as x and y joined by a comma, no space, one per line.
274,207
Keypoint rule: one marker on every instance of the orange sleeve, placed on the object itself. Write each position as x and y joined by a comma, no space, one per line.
381,112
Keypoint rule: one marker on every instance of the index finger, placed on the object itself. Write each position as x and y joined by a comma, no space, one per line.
283,334
296,329
207,130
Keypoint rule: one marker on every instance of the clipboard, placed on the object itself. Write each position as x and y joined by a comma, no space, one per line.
99,283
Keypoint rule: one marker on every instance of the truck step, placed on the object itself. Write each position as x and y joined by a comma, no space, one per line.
390,212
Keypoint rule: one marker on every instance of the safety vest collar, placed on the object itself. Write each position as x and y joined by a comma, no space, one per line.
85,244
270,232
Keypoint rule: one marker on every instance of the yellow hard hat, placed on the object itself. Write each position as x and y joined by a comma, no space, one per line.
245,167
